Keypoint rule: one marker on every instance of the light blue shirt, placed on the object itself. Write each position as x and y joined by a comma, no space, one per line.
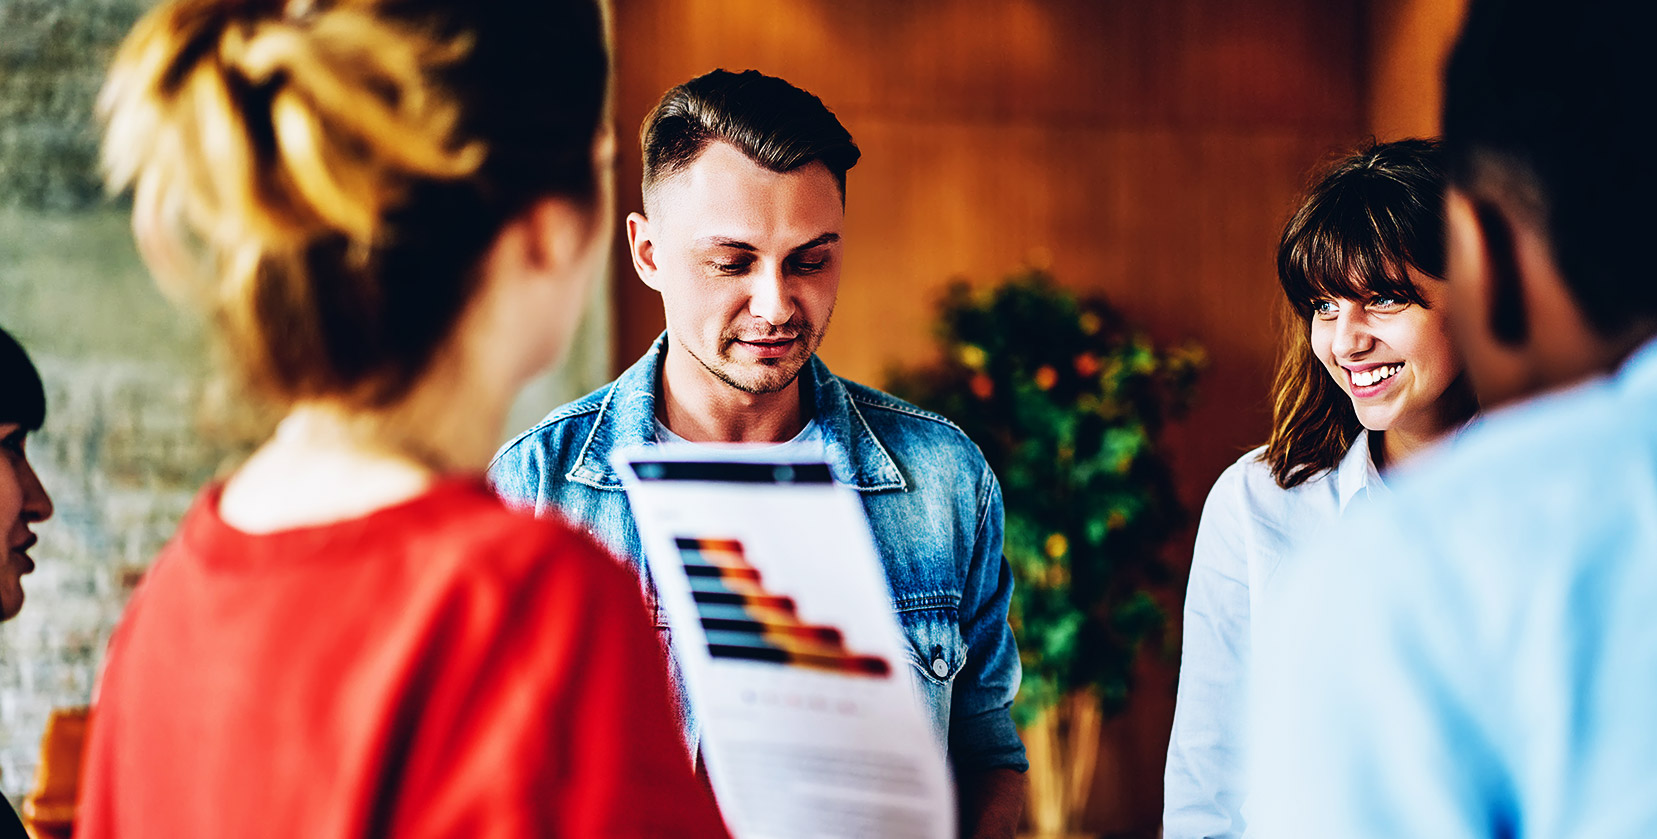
1249,524
1477,655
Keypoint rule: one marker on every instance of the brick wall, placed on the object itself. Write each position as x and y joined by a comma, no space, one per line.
51,58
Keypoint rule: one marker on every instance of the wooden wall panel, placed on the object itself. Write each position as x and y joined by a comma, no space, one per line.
1149,150
1409,41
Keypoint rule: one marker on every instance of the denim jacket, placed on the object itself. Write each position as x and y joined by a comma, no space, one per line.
932,503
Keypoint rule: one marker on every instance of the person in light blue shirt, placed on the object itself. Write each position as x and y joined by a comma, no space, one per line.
1476,654
1368,377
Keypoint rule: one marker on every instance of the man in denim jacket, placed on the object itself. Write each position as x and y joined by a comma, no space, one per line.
744,195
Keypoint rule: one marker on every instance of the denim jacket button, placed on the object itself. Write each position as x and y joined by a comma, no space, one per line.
939,668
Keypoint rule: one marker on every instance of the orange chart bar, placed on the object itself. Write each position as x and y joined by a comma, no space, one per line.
744,621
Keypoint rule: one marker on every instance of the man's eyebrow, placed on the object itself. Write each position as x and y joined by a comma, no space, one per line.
723,242
738,244
825,239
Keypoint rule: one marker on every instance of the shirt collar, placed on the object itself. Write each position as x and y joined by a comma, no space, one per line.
627,417
807,433
1639,371
1356,474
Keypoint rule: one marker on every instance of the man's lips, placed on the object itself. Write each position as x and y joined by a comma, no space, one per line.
769,347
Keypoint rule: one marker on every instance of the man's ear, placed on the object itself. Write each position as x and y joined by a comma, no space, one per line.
1509,322
642,249
1488,257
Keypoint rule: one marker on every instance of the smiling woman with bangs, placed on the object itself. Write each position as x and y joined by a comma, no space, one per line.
1369,376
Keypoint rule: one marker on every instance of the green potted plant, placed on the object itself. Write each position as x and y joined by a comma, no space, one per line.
1066,401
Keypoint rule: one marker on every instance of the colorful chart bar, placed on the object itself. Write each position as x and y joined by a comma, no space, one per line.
745,621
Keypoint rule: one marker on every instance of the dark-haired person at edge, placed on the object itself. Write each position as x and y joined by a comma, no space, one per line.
744,198
23,501
1367,378
1476,656
395,210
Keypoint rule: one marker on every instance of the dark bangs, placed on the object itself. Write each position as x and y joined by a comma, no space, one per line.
1364,224
22,397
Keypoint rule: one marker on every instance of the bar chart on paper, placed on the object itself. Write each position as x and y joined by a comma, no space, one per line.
793,658
745,621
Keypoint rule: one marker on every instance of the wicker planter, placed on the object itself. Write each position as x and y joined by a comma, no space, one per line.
1063,747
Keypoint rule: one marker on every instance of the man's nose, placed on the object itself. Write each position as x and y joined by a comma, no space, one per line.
770,299
37,504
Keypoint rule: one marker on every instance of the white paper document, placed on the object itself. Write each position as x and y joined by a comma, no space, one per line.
783,624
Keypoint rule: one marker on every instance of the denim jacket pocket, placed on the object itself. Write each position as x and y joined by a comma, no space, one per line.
937,652
933,629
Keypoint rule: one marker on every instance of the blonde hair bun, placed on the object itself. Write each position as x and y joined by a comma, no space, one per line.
278,130
328,172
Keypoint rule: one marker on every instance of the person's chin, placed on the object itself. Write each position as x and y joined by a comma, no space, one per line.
772,381
11,602
771,376
1377,421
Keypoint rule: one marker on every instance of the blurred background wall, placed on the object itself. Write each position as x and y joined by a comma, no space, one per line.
1147,150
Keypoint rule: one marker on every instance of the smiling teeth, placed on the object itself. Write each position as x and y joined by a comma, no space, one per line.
1365,378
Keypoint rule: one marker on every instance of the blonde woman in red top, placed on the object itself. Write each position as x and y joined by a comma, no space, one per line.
392,211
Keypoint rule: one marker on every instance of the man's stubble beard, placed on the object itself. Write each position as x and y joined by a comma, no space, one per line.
809,337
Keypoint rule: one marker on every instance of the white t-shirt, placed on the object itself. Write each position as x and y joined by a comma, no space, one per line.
809,442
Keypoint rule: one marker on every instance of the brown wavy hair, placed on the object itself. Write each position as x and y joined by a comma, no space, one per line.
325,175
1370,217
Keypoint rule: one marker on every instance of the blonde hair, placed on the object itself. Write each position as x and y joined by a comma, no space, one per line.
324,176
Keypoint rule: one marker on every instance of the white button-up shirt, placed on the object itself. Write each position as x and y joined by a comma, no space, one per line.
1249,525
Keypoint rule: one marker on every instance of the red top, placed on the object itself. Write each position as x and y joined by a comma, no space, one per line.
440,668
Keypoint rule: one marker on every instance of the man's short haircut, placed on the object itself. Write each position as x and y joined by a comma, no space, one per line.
1546,108
22,398
777,125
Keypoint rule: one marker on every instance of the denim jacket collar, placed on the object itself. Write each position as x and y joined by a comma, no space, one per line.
627,417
